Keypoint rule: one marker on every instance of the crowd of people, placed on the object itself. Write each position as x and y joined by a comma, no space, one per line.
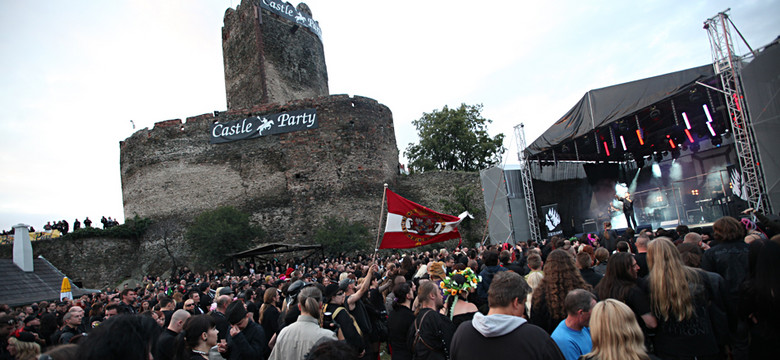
664,294
63,227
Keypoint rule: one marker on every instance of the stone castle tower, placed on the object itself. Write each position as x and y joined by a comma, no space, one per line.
289,181
273,54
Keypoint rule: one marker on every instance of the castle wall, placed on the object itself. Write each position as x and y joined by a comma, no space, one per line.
270,59
287,182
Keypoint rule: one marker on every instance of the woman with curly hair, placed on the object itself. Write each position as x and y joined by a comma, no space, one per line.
560,276
615,333
679,298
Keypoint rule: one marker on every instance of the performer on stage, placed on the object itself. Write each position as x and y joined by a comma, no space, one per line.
628,209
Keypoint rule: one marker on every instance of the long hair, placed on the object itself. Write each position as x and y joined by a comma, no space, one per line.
268,301
400,291
25,350
670,295
615,333
310,300
618,279
560,277
189,337
122,337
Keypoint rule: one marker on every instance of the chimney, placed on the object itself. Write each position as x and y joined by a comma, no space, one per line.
23,254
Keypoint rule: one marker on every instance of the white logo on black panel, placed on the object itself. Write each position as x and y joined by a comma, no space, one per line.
553,219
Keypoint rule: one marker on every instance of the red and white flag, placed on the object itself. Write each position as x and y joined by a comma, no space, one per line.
410,224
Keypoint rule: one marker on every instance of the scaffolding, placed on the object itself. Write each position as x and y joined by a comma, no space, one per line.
528,186
727,65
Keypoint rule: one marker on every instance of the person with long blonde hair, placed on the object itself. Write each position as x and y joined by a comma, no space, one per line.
615,333
23,347
679,296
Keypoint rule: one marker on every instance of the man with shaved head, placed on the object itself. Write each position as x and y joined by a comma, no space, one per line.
219,316
166,343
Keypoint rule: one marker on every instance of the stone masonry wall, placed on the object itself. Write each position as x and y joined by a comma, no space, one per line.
270,59
287,182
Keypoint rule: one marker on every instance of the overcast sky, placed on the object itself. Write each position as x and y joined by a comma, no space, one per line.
74,73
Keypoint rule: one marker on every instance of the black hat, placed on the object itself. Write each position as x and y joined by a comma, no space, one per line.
235,312
227,290
25,337
331,290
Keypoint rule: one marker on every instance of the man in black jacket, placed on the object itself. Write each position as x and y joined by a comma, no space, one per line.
248,339
431,333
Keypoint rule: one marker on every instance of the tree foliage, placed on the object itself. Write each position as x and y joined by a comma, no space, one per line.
339,236
462,199
219,232
454,139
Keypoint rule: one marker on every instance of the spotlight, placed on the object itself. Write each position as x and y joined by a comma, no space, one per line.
694,96
658,157
640,162
717,141
675,153
655,114
695,147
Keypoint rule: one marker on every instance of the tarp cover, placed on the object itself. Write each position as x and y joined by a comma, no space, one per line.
602,106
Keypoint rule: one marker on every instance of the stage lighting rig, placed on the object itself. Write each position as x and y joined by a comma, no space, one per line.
717,141
694,95
655,114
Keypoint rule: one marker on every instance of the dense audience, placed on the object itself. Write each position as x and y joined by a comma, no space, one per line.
678,294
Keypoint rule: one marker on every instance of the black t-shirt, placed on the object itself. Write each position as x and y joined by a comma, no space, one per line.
344,321
398,324
430,335
361,316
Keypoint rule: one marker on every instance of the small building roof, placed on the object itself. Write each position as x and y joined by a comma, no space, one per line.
21,288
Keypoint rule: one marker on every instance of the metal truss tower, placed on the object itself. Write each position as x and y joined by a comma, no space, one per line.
528,186
728,66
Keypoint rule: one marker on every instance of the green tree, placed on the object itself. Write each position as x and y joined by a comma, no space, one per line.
339,236
219,232
454,139
465,199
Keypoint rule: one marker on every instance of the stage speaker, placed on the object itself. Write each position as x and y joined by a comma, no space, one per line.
589,226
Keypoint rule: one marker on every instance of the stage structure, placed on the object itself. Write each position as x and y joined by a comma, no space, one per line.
528,187
505,203
727,64
666,140
761,83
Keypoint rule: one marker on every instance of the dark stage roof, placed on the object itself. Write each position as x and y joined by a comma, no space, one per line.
656,103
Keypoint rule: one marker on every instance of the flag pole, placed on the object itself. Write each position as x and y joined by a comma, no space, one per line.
379,223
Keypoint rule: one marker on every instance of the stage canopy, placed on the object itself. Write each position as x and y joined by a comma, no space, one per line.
592,129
